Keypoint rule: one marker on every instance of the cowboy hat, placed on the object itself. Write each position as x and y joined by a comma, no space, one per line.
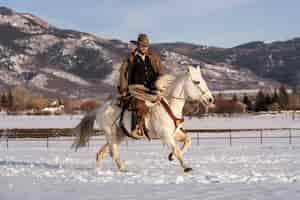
142,40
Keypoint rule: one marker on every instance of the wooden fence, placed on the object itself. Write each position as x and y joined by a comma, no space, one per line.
196,134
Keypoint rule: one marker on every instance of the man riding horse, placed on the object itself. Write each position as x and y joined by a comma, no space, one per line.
142,67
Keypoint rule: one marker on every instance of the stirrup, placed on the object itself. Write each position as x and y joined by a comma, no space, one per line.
138,133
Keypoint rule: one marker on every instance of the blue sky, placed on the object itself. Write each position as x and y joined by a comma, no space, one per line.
223,23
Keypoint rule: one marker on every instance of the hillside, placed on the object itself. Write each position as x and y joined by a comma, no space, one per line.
59,62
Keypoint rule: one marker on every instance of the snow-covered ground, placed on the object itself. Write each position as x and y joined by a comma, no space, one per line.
246,170
244,121
28,170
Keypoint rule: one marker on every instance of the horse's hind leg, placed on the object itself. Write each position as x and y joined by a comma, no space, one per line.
114,151
100,155
181,137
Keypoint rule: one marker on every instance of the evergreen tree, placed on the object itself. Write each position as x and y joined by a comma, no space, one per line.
234,98
220,96
260,104
283,97
3,101
10,100
248,103
60,101
268,100
275,97
295,90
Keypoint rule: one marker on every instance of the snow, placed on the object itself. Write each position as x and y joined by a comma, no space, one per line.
68,76
284,120
176,63
54,109
113,78
38,44
243,121
39,81
23,23
246,170
16,67
37,20
51,121
9,77
242,91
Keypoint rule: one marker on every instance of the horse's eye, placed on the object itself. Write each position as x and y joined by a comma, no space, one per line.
196,82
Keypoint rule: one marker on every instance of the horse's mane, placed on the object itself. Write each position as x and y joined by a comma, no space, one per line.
166,83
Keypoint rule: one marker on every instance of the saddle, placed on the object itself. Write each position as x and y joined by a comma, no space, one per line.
131,103
139,111
138,103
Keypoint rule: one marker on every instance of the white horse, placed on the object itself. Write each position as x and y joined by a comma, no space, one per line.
164,124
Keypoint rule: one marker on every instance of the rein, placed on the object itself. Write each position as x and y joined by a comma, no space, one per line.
177,121
177,98
182,99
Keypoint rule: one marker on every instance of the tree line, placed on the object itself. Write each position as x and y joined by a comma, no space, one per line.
265,100
278,99
20,99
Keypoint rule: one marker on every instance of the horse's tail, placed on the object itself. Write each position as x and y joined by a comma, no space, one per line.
84,130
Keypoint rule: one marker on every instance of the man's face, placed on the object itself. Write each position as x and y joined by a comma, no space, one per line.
143,48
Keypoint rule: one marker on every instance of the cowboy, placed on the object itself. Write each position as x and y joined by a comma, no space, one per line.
140,67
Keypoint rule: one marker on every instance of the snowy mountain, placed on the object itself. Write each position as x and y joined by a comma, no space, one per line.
59,62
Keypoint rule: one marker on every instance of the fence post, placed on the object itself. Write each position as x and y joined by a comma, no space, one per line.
293,115
7,142
47,143
290,136
230,138
198,139
261,136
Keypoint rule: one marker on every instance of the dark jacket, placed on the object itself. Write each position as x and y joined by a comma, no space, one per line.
128,76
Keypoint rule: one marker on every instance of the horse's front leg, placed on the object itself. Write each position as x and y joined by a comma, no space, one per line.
181,136
176,151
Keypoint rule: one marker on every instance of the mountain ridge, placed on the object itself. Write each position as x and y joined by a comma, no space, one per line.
75,64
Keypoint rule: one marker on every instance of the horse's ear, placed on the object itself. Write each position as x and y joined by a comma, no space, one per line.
189,69
198,68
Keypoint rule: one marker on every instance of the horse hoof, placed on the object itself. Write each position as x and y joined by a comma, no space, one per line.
188,169
124,170
98,165
170,157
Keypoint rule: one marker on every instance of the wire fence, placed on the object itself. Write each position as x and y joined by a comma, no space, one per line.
229,136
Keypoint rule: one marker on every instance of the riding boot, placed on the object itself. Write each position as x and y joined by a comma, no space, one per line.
121,117
135,128
133,120
138,124
144,130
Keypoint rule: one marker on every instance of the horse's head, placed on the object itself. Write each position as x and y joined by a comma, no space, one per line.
195,86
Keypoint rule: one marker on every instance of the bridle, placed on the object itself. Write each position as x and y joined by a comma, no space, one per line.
178,121
203,93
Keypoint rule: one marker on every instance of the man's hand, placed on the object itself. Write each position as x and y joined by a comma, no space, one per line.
124,94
